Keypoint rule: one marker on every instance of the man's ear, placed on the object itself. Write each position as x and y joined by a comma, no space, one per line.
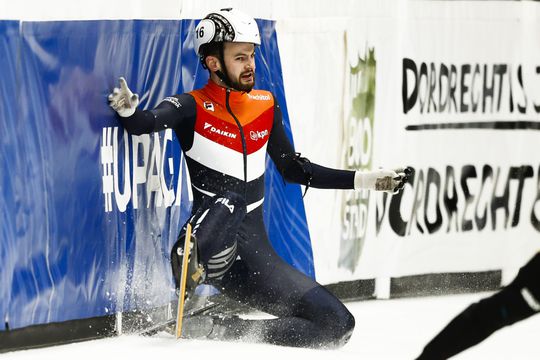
212,63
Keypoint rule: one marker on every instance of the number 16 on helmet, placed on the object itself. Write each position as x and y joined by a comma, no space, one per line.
226,25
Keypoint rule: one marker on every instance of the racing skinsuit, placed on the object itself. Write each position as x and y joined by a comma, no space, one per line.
225,135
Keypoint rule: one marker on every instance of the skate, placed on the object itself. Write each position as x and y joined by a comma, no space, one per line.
191,275
214,327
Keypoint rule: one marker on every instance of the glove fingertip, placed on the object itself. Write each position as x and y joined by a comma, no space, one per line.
123,84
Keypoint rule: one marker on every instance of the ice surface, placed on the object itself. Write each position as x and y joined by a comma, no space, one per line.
385,329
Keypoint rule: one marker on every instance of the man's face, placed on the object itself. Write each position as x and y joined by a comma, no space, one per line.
240,63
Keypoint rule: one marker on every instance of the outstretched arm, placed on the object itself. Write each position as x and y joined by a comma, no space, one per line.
300,170
173,112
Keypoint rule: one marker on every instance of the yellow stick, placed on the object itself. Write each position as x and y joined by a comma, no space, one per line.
183,278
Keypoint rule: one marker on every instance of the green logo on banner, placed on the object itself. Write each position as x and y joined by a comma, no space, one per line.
357,155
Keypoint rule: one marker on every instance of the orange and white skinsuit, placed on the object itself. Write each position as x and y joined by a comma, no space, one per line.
225,136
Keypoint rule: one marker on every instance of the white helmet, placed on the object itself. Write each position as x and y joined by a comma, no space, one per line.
226,25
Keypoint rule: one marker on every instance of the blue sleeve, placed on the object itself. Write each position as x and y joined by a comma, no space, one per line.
174,112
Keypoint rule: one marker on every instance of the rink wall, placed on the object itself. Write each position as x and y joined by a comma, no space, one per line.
89,213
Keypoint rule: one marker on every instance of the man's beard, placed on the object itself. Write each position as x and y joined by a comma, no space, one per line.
237,85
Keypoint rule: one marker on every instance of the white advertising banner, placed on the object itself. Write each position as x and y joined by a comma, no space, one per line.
451,89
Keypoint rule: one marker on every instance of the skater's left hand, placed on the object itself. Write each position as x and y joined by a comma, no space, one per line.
390,181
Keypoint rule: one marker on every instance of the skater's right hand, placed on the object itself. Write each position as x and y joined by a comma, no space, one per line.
122,100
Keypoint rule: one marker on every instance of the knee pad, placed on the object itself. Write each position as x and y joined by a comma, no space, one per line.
219,264
220,213
214,225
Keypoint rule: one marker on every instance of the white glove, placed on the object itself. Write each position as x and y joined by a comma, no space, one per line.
122,100
390,181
